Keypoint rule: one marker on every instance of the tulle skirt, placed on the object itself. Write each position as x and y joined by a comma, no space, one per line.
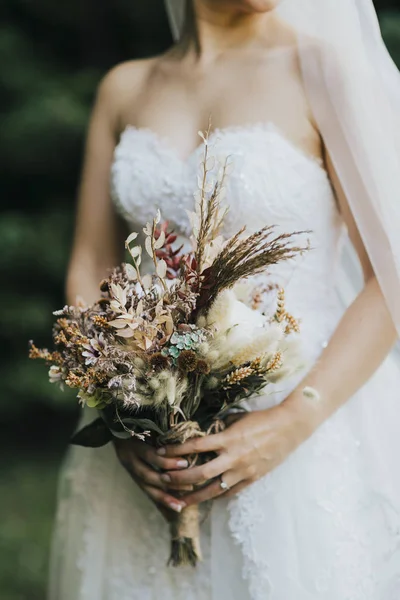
325,525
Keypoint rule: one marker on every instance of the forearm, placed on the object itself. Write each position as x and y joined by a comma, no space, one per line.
362,340
83,281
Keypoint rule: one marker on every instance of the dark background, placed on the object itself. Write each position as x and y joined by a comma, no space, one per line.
53,55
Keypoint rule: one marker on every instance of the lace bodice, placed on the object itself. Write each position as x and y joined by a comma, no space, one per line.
272,183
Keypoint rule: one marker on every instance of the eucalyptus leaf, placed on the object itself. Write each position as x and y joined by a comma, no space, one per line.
159,243
131,238
148,246
161,268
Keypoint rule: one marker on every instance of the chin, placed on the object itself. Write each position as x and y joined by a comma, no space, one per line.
259,6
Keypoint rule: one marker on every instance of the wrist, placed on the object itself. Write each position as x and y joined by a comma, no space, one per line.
306,410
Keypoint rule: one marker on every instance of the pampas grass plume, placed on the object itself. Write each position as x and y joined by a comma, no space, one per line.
171,390
220,311
266,342
154,383
212,383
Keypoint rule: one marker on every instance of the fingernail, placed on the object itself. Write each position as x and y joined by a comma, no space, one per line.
166,477
182,463
161,451
176,507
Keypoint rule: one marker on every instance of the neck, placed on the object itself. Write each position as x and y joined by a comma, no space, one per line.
218,29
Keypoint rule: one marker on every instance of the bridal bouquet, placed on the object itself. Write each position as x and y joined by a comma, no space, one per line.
165,356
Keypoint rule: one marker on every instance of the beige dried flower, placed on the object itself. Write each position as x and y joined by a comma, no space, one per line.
280,309
256,364
292,324
237,376
275,363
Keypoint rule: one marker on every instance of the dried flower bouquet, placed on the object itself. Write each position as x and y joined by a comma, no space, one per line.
166,355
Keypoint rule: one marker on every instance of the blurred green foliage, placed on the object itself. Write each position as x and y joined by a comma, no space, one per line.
53,57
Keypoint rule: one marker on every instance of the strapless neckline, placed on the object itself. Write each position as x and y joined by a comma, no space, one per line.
217,134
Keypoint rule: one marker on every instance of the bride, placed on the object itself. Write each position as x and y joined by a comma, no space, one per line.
306,489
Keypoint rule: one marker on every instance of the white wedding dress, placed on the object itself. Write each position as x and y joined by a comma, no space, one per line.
325,525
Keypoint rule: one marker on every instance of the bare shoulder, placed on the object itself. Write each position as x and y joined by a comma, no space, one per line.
127,76
122,86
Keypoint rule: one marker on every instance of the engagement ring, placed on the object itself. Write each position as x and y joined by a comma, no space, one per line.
224,486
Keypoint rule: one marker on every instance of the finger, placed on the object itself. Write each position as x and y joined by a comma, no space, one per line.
149,454
237,488
213,489
145,474
163,498
180,487
208,443
200,474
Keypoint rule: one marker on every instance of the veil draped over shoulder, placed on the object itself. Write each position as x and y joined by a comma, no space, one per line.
353,88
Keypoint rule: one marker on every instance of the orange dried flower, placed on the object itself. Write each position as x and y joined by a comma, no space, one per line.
100,321
292,325
237,376
275,362
74,381
35,352
60,339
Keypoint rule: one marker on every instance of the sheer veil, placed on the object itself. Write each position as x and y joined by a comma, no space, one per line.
354,90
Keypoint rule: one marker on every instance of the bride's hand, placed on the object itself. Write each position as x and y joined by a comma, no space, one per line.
247,450
145,467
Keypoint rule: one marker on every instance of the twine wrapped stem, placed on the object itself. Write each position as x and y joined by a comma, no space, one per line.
185,528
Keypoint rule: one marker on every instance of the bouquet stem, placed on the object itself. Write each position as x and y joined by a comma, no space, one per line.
185,538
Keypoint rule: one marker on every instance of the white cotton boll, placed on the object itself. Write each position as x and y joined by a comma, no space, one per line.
238,326
243,291
245,324
243,314
228,314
